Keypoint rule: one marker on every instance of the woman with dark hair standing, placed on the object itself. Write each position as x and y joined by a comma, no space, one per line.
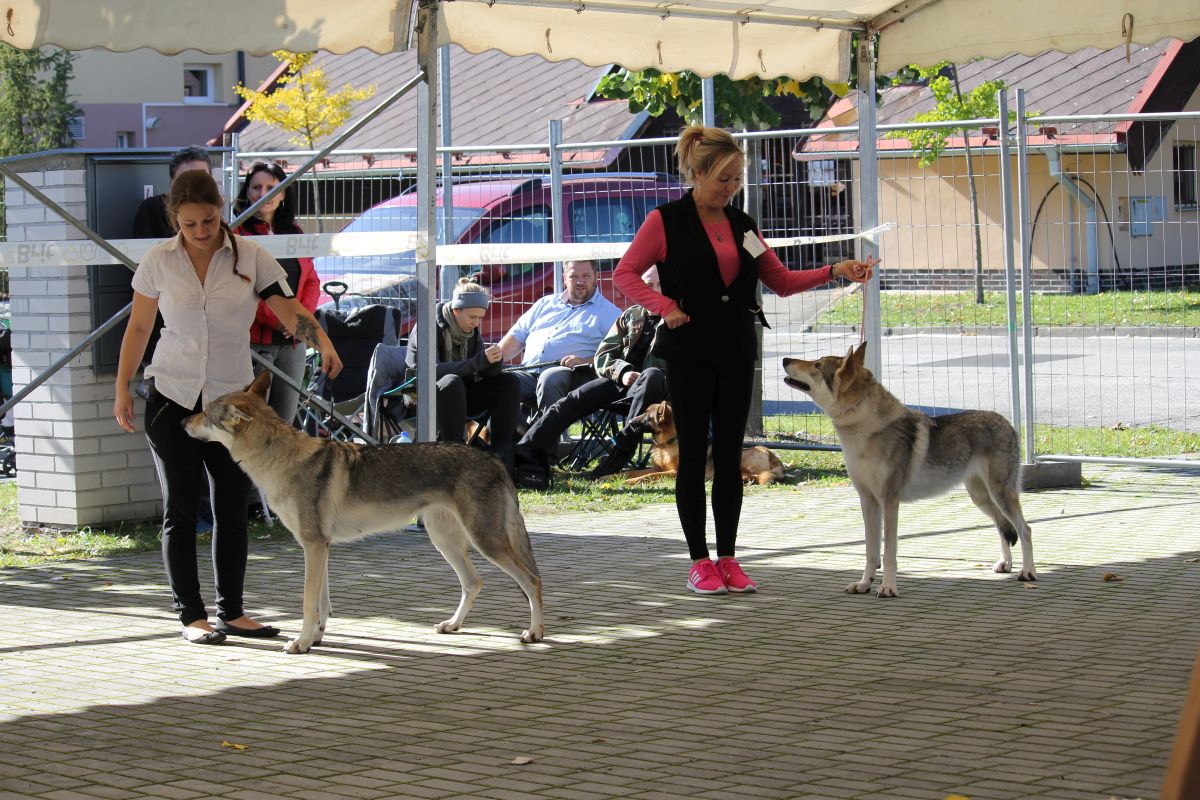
206,281
268,337
710,260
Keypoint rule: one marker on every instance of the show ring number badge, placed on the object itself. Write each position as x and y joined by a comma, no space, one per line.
753,245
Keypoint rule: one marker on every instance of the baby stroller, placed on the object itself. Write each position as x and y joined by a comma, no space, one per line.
355,335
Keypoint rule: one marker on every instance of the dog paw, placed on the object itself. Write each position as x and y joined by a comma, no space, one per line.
1002,566
888,591
861,587
1027,575
449,626
531,636
297,646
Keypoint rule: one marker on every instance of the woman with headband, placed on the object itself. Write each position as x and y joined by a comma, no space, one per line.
469,376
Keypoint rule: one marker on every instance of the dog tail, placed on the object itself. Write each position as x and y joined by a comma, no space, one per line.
518,536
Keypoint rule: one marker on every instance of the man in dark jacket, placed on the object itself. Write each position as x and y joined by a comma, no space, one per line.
151,220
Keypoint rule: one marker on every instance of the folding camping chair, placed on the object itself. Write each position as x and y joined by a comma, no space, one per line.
391,398
355,335
596,436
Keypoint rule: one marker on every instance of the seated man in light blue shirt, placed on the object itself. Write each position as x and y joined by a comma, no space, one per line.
565,329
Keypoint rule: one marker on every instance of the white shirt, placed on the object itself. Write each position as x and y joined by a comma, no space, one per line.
204,350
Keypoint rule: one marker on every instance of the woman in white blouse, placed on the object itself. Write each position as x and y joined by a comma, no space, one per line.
206,282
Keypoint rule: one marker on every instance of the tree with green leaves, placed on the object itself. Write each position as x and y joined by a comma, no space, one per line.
739,104
951,104
35,110
303,104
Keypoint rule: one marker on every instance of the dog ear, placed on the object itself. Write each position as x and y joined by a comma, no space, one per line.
861,353
261,384
236,416
849,365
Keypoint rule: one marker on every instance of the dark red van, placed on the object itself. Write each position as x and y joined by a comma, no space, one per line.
598,208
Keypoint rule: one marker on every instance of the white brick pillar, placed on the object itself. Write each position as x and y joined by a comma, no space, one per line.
75,467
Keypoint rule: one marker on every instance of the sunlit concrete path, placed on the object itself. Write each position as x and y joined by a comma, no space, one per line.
969,683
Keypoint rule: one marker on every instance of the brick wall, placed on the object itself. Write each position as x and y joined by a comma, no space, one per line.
76,467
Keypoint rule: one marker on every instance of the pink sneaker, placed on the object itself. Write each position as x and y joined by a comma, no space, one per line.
703,579
732,576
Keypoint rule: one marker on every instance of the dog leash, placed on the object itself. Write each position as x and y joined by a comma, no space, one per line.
531,367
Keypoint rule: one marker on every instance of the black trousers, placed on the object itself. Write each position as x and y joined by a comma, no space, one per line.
457,398
649,388
181,462
704,393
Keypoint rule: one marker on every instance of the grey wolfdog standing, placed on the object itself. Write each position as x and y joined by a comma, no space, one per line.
329,491
895,454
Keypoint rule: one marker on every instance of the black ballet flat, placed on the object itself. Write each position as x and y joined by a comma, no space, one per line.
209,637
265,632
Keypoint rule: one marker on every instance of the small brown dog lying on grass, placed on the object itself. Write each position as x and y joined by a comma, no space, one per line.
759,465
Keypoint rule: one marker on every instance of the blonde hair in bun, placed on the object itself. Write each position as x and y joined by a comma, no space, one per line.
702,150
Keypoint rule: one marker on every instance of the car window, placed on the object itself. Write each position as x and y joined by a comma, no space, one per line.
404,218
609,219
527,226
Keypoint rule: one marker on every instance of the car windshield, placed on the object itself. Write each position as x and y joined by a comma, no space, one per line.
404,218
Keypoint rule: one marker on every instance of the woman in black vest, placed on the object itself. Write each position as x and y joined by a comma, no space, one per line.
710,259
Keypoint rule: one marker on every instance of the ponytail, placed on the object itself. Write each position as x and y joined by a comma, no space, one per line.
233,243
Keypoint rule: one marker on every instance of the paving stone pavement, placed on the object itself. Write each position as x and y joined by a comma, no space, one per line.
970,683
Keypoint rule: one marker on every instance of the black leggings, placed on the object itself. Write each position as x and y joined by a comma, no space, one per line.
180,460
703,392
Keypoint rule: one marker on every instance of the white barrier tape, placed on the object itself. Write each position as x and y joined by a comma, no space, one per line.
871,235
313,245
82,252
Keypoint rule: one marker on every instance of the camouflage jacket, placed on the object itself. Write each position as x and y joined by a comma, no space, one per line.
622,345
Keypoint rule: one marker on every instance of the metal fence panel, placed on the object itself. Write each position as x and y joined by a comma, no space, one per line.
1114,211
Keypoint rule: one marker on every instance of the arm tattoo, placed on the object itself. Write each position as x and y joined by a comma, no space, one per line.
306,331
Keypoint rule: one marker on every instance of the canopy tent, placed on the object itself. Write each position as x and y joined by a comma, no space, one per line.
798,38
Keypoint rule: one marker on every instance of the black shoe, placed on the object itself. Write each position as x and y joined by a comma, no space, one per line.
531,469
265,632
210,637
624,446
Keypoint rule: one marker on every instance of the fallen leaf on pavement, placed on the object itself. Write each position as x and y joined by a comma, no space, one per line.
1112,576
235,745
519,760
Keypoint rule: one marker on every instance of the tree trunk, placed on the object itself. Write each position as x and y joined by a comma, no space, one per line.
316,189
974,199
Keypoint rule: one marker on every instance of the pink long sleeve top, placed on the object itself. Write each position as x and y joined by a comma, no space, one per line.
649,247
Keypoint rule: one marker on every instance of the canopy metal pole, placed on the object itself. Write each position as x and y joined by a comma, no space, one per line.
1026,270
449,275
427,116
1010,261
708,102
868,197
